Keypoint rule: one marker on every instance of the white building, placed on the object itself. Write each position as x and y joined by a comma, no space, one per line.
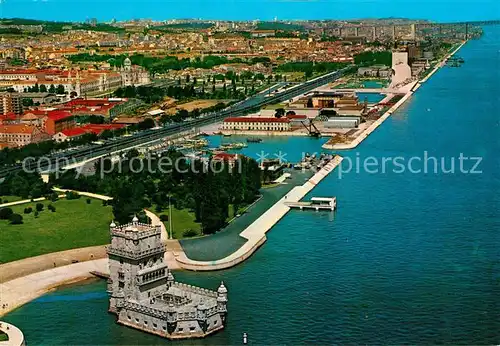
133,75
256,124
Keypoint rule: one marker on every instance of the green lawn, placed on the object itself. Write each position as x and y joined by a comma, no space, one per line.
182,220
74,224
7,199
3,337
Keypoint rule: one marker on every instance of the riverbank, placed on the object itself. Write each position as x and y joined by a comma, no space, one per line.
410,90
17,292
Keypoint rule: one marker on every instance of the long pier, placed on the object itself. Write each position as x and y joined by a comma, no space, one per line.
256,232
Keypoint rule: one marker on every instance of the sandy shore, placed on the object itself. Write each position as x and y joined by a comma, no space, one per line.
410,91
19,291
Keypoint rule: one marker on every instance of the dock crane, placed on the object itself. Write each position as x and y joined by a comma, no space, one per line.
311,128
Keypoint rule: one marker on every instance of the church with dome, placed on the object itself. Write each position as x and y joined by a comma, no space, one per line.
143,292
133,75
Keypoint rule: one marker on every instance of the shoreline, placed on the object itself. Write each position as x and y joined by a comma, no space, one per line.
21,290
364,134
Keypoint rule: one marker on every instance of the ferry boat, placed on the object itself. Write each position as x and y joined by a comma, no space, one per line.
230,146
254,140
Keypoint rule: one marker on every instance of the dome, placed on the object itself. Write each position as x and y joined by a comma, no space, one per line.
135,219
222,289
170,276
112,224
127,62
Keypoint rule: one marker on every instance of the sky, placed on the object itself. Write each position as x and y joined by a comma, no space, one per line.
105,10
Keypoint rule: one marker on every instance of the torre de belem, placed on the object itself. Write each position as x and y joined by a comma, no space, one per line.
143,292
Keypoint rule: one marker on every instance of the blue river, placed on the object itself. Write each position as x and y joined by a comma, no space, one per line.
412,256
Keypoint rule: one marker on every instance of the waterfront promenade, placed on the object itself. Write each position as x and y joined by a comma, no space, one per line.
256,232
408,90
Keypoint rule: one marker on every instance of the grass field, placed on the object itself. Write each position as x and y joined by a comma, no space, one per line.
74,224
191,106
182,220
3,337
7,199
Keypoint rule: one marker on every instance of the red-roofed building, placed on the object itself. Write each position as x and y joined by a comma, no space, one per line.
9,118
225,157
96,129
256,124
18,135
296,116
102,107
58,120
68,134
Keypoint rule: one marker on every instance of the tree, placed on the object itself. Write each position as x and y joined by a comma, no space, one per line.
52,89
310,103
147,123
39,206
16,219
28,210
72,195
280,112
43,88
60,89
27,102
5,213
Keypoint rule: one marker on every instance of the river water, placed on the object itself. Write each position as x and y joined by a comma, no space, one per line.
408,257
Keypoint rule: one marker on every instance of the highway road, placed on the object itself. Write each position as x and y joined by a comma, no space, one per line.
241,108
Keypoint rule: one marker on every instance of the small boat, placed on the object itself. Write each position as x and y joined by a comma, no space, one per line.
254,140
226,135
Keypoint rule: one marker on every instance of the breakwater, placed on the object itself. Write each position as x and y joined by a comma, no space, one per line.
256,232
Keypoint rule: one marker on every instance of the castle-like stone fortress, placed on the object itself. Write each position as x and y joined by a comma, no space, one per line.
144,295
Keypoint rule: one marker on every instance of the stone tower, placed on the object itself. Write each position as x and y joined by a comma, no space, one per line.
144,294
136,262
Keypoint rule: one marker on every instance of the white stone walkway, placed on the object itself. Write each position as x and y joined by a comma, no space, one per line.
16,337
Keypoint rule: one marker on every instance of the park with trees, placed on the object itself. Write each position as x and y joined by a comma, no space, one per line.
207,195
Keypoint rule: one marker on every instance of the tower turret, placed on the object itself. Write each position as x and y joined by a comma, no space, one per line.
222,300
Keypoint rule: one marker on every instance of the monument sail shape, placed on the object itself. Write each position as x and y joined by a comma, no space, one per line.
143,291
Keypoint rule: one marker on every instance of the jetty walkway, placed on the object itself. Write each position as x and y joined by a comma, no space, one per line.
256,232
